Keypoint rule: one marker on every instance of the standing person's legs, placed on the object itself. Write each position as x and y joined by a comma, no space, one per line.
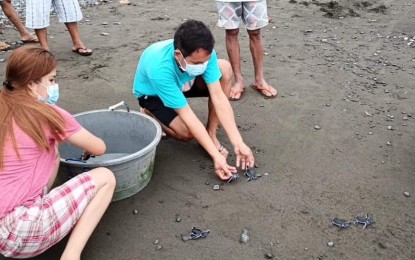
13,16
78,45
38,18
69,12
255,17
230,18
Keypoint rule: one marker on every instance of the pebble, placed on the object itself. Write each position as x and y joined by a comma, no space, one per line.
156,242
390,127
116,23
159,247
135,211
244,236
388,143
405,118
178,219
330,244
266,174
269,255
317,127
216,187
105,34
104,23
370,133
2,60
406,194
207,183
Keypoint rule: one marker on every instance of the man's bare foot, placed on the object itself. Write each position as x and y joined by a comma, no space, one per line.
265,89
236,91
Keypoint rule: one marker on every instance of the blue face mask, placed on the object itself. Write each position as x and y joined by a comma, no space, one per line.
53,94
194,69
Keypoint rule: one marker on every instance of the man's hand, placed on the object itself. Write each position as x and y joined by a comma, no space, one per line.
244,156
222,169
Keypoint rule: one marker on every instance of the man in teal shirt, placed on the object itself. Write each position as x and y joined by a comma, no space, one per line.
187,66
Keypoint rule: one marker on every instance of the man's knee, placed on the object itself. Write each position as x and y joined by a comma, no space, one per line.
232,32
254,33
225,69
185,137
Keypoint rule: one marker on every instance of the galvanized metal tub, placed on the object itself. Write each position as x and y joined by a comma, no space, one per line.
131,139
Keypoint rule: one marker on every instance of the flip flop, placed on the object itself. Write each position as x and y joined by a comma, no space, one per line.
33,39
265,90
77,50
240,92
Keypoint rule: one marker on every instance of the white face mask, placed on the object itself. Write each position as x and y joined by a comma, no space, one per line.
53,94
194,69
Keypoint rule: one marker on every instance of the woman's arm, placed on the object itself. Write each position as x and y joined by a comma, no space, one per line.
88,142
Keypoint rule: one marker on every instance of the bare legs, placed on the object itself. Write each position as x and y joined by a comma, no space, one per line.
12,15
105,184
257,52
76,39
78,45
234,54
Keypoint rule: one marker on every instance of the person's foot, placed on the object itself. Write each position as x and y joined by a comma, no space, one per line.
29,38
82,50
4,46
265,89
236,91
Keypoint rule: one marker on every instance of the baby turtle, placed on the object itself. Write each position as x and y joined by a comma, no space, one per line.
195,234
233,178
251,175
340,223
365,221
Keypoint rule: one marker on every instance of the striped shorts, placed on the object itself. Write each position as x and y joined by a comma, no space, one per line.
38,12
252,13
29,231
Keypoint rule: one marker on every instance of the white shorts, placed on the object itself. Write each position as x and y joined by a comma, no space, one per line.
252,13
38,12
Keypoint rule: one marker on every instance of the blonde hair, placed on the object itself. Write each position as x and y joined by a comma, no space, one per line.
18,105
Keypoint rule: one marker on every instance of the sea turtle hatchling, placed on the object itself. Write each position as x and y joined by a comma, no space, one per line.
340,223
195,234
251,175
365,221
233,178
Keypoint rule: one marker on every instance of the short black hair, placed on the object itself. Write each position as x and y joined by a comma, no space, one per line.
192,35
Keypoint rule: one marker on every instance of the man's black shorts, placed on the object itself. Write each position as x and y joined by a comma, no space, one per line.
165,114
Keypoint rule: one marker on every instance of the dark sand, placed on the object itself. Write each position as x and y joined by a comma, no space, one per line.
345,67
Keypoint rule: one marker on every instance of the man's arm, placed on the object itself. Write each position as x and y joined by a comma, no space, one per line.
198,131
224,112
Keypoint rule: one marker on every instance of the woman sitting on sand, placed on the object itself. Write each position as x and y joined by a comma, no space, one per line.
32,216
